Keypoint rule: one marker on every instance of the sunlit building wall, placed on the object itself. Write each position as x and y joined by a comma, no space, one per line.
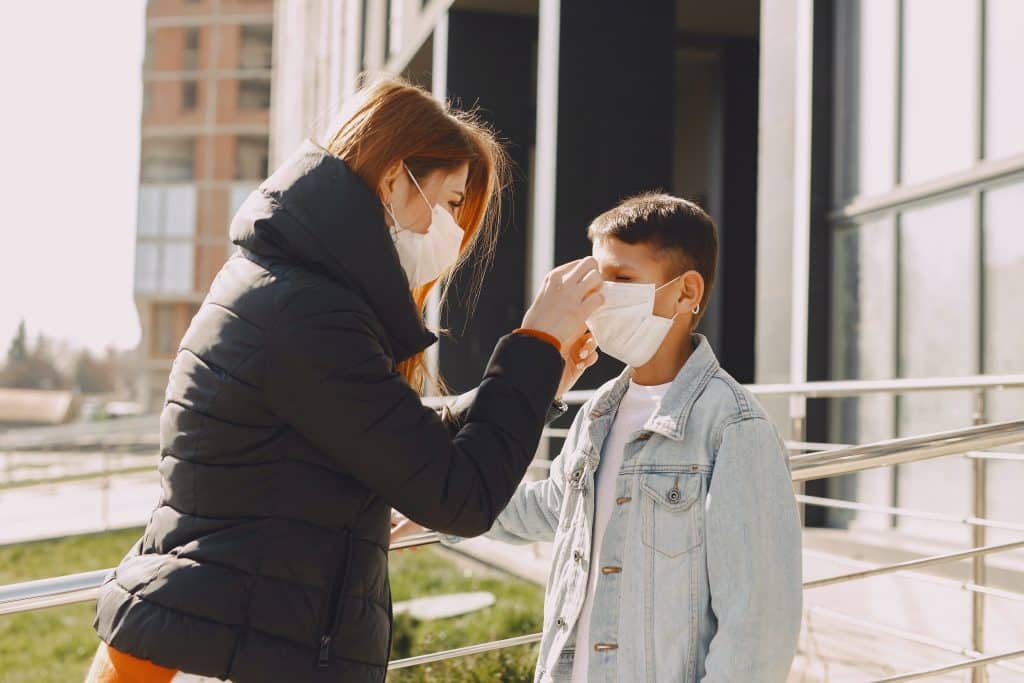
205,120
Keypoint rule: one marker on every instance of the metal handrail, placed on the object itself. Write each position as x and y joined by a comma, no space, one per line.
16,597
28,596
968,664
854,387
914,564
907,512
905,450
477,649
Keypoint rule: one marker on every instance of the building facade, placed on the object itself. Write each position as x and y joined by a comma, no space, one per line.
864,160
205,124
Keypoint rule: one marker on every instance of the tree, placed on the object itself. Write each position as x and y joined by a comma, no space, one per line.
18,350
33,368
95,375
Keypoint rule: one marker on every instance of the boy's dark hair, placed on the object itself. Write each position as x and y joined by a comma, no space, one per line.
683,230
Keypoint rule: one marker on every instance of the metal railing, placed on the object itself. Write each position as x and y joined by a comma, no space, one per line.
832,460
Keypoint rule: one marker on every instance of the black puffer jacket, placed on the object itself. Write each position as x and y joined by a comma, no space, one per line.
287,436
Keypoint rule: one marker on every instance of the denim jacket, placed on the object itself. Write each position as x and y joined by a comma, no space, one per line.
700,565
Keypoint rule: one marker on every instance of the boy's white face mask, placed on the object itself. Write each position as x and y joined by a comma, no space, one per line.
424,257
625,326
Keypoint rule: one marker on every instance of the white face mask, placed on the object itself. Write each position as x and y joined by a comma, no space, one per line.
625,326
425,256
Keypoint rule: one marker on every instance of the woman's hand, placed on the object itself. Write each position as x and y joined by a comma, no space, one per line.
570,294
582,354
402,526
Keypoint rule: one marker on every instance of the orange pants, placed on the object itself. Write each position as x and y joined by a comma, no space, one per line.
114,666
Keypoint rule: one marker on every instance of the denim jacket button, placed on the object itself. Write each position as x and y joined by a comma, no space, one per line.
673,496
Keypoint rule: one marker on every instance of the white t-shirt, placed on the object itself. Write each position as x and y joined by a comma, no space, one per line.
638,404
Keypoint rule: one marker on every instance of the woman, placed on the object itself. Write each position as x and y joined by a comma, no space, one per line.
292,423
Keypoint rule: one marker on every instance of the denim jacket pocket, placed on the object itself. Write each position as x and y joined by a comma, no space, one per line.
670,520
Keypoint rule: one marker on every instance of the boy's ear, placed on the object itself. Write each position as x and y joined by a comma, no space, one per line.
691,292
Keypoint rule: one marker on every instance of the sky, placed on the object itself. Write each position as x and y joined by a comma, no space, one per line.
70,102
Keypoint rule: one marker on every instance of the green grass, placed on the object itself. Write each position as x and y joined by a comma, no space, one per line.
56,645
518,610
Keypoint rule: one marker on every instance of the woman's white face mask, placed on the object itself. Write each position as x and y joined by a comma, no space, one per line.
625,325
425,256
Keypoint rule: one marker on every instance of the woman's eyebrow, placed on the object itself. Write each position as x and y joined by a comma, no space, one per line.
462,195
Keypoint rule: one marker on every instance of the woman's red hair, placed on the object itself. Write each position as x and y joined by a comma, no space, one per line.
393,121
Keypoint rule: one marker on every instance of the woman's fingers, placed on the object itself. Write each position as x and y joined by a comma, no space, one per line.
591,281
587,357
580,269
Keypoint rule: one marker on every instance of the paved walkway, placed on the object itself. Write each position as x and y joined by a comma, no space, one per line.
49,510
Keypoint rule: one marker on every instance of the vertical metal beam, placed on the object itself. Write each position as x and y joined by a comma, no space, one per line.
352,47
541,237
375,48
979,674
894,482
802,108
439,88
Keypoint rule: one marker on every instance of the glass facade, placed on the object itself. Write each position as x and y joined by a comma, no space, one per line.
928,239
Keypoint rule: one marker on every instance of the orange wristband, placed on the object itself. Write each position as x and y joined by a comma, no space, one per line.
543,336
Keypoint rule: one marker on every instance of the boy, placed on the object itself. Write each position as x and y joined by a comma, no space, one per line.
676,537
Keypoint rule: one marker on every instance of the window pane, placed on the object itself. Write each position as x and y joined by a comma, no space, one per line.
251,158
167,160
180,211
865,81
150,210
1004,96
253,94
146,268
864,286
939,321
190,55
1004,330
255,50
939,87
1004,293
178,269
189,95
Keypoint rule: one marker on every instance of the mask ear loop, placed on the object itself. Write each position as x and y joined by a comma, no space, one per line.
695,310
397,227
416,183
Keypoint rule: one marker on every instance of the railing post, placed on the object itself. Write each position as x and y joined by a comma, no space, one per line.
979,674
105,492
798,432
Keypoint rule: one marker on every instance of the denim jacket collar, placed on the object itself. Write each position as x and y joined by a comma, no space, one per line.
669,419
